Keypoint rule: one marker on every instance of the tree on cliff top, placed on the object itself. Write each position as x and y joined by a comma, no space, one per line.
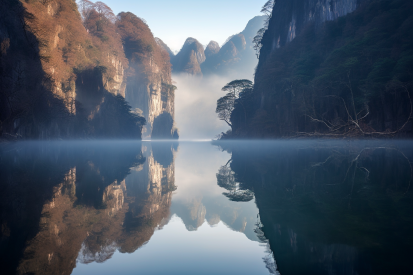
235,90
139,43
267,10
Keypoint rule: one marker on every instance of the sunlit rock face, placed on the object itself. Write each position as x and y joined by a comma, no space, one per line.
152,97
118,85
149,89
60,55
45,49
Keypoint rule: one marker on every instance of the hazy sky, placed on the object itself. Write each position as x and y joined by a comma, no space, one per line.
175,20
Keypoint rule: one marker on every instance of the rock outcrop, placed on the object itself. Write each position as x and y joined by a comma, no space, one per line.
79,69
149,88
289,18
329,68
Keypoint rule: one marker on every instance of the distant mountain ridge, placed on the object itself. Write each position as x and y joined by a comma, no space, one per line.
235,56
189,58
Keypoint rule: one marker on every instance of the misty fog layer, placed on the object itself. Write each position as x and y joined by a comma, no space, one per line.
195,104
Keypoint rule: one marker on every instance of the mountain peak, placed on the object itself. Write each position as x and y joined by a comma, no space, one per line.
189,58
190,40
164,46
212,48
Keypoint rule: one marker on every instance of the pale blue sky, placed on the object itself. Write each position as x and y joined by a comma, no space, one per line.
175,20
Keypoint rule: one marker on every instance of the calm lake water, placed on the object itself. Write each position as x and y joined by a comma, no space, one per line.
258,207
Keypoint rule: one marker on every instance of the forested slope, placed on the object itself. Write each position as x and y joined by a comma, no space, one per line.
332,74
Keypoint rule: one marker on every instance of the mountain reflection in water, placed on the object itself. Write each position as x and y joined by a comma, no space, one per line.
259,207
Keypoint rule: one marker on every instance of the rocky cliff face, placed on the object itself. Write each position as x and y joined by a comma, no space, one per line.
289,18
26,82
327,71
75,64
66,47
149,88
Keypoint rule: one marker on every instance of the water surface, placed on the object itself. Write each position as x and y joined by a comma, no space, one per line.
258,207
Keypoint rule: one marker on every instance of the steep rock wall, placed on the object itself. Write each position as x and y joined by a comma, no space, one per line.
289,18
46,48
345,77
151,97
149,88
66,46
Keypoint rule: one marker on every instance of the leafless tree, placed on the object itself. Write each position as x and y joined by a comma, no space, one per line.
105,11
85,7
351,124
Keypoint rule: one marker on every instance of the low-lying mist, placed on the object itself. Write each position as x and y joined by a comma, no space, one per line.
195,104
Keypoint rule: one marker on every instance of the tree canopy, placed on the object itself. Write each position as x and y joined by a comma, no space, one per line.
226,104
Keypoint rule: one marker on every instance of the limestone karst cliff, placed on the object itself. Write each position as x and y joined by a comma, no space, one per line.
289,18
72,61
149,88
332,68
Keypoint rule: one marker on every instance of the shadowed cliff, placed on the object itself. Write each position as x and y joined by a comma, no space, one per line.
338,69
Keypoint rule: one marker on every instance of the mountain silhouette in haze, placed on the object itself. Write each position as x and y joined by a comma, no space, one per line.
189,58
234,57
237,55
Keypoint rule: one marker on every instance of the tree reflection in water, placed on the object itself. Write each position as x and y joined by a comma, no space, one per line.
324,207
226,179
329,207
